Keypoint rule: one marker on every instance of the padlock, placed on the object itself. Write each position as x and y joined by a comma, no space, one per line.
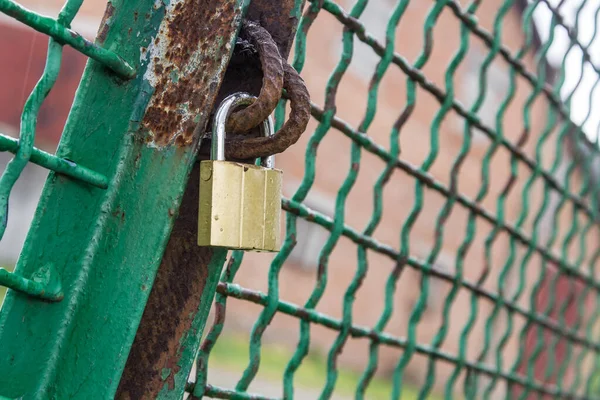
240,204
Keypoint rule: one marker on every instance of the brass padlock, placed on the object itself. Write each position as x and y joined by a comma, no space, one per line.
240,204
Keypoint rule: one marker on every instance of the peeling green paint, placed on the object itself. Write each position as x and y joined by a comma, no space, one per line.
165,373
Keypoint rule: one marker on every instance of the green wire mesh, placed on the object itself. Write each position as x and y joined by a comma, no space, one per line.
23,148
550,241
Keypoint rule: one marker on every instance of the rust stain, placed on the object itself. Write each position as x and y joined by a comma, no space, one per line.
272,69
289,133
104,25
188,38
277,18
173,303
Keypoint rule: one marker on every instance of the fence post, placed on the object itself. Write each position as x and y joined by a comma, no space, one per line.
170,331
106,244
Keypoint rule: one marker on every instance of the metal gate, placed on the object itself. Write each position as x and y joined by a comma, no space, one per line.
441,213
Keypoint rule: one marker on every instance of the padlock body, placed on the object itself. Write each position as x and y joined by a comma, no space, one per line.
240,206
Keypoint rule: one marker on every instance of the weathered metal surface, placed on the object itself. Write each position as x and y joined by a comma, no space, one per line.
175,111
106,245
290,132
184,278
244,73
272,82
279,18
156,369
161,355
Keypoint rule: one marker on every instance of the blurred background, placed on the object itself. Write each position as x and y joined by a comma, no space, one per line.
526,111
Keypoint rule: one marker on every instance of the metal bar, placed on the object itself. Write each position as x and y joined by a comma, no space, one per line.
280,18
221,393
59,165
164,349
44,285
176,311
64,35
106,245
150,367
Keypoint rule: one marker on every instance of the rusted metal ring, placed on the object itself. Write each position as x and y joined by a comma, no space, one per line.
289,133
272,66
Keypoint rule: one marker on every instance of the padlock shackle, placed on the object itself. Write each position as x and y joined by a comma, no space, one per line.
217,151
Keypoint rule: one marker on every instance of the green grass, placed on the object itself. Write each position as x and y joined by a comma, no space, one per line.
231,353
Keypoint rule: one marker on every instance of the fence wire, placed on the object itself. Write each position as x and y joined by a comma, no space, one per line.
553,348
556,339
60,34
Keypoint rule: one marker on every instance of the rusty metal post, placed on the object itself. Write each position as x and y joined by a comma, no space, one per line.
169,334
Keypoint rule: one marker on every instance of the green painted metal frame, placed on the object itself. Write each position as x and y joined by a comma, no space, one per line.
106,245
